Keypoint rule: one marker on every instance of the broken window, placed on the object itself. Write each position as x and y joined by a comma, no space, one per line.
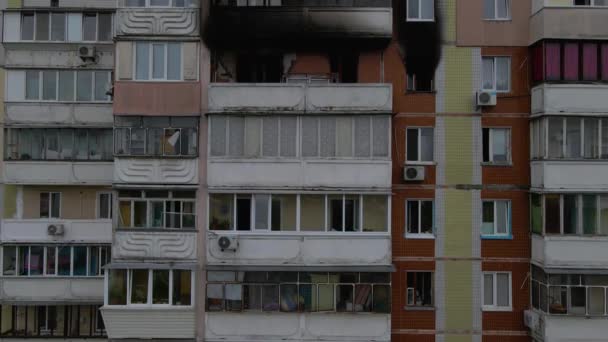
156,136
419,82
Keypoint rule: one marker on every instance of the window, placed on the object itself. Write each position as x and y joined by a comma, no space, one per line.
50,204
420,218
67,86
419,143
497,9
496,219
57,26
278,212
158,61
420,10
104,205
496,291
298,292
361,137
54,260
157,209
496,74
570,138
570,61
420,82
496,145
573,214
156,136
419,289
590,2
58,144
49,321
160,3
150,287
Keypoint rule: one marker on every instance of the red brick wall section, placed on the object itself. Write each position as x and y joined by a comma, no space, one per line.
512,320
519,172
519,246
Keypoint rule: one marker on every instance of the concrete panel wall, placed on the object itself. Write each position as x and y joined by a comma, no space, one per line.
149,323
157,98
61,114
172,245
565,251
156,171
570,175
474,30
58,173
50,290
568,23
82,231
570,99
158,22
57,56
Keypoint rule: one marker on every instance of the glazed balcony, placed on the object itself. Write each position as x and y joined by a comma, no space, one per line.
158,21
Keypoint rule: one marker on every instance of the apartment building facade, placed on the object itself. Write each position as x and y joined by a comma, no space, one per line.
568,193
56,228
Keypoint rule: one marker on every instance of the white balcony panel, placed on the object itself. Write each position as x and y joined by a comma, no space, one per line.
584,175
75,231
56,55
300,173
71,4
570,329
157,21
295,98
155,171
52,290
568,99
149,323
58,173
565,251
172,245
73,114
302,249
568,22
271,327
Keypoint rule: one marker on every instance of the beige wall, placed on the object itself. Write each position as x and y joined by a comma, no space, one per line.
76,202
473,30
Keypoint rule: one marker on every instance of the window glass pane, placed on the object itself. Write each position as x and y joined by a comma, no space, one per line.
9,265
139,214
552,214
173,210
502,7
31,85
413,217
310,136
139,286
502,289
502,217
142,62
589,214
182,283
344,137
49,84
215,297
488,289
174,61
58,26
283,216
137,142
158,60
536,213
413,9
236,136
89,26
487,227
64,257
412,144
80,261
156,214
380,126
603,228
252,297
591,137
382,299
172,141
66,85
488,73
344,298
135,3
604,62
503,73
328,136
218,135
489,9
234,297
428,9
252,136
500,145
102,84
553,61
85,85
36,263
159,2
426,217
363,298
66,142
188,215
105,27
189,141
24,256
160,287
270,298
94,261
362,136
220,212
573,137
51,255
117,287
312,212
308,298
570,214
45,204
375,212
556,137
288,132
595,301
571,63
351,213
426,144
27,26
42,26
335,214
590,61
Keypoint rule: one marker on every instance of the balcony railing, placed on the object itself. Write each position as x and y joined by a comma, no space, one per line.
567,22
48,290
58,172
36,230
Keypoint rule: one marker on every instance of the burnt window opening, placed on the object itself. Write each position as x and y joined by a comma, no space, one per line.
345,66
259,68
420,83
54,3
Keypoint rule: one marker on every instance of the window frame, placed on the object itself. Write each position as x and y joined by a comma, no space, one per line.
592,3
418,17
412,306
419,234
149,210
187,4
495,306
66,27
150,73
544,140
419,161
75,88
509,221
98,204
491,129
495,74
580,230
496,17
50,203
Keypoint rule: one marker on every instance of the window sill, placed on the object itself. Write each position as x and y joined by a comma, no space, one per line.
417,20
418,308
496,309
420,92
491,164
153,157
498,19
420,236
497,237
420,163
156,230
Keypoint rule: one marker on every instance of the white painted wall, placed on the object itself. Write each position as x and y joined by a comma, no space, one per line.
171,245
83,231
565,251
155,171
583,175
284,248
149,323
570,99
575,329
12,27
300,173
157,22
53,289
44,113
56,56
271,327
58,173
568,23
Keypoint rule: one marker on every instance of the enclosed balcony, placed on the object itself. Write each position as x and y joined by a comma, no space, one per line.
179,18
568,21
287,21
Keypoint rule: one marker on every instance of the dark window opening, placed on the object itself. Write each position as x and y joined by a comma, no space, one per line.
420,82
243,213
346,66
260,69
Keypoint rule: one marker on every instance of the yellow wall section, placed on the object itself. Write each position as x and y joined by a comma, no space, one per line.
14,4
458,296
458,80
458,150
459,223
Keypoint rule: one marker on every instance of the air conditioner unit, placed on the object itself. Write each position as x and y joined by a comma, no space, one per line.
486,98
55,229
413,173
228,243
531,319
86,52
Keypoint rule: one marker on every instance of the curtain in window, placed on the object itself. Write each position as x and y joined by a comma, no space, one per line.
590,62
488,73
537,63
553,61
571,61
502,9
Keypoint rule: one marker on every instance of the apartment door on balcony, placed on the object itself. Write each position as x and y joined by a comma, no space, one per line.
254,68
